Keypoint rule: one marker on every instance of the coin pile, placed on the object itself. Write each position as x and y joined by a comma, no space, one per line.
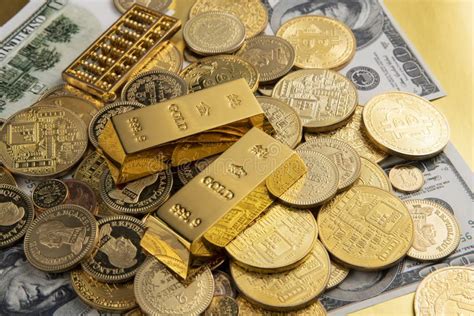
342,214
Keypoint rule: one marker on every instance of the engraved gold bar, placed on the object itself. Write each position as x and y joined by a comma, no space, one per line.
234,184
120,51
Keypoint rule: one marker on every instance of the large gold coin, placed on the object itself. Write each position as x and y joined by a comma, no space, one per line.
406,125
324,99
159,292
437,232
288,290
213,33
42,141
248,309
354,133
338,274
272,56
406,178
447,291
317,186
284,119
371,174
277,241
366,228
319,42
252,13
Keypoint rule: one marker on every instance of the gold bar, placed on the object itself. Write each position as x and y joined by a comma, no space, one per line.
123,48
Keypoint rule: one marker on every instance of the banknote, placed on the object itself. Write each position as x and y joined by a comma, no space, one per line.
448,180
384,61
40,46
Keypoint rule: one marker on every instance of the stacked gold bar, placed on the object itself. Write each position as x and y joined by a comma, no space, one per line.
219,203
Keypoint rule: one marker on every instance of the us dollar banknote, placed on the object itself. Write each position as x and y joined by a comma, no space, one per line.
384,61
36,45
448,181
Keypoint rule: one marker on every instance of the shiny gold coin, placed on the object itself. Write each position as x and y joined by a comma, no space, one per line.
317,186
118,297
345,157
49,193
159,292
60,238
354,133
157,5
371,174
276,242
56,91
252,13
222,306
213,33
211,71
338,274
447,291
272,56
319,42
375,223
284,119
167,58
248,309
42,141
324,99
406,125
406,178
437,232
299,287
6,177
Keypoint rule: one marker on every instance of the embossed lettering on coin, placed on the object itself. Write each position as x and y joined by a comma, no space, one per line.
406,178
50,193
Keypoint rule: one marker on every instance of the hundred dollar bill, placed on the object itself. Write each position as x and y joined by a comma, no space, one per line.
384,61
448,181
38,48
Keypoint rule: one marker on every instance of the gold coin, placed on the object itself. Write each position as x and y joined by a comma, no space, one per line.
222,306
371,174
6,177
49,193
447,291
317,186
60,238
213,33
276,242
319,42
354,133
345,157
157,5
272,56
167,58
324,99
42,141
248,309
406,125
211,71
299,287
284,119
118,297
338,274
366,228
252,13
80,193
159,292
406,178
437,232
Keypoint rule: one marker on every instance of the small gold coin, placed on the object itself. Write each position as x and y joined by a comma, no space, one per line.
284,119
300,286
354,133
276,242
60,238
211,71
49,193
345,157
213,33
371,174
252,13
222,306
118,297
248,309
338,274
324,99
448,291
406,125
159,292
406,178
6,177
437,232
42,141
317,186
157,5
272,56
375,223
84,109
168,58
80,193
319,42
